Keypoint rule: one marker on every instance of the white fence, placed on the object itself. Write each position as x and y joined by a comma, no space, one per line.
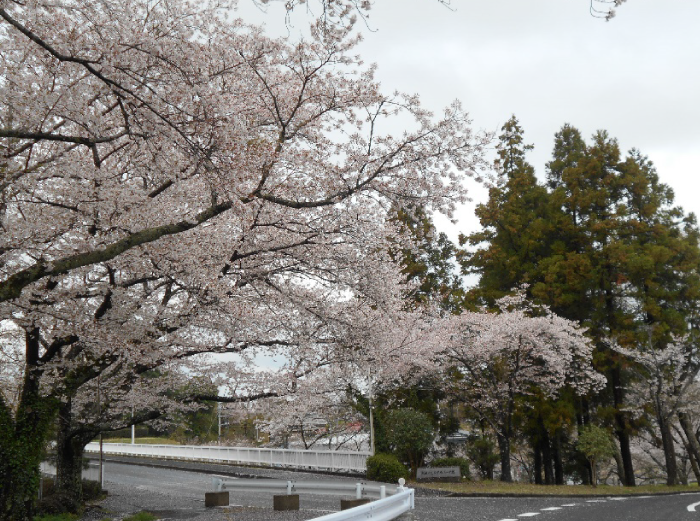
337,461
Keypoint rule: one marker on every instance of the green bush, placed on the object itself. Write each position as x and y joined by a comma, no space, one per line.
386,468
462,463
58,503
410,435
92,490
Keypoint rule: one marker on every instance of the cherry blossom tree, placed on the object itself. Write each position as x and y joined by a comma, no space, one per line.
175,183
519,350
667,383
381,352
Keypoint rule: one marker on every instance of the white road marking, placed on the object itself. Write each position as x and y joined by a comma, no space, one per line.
691,508
618,498
507,520
529,514
552,508
596,501
643,497
570,505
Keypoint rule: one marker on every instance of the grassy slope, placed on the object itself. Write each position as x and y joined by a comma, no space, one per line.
525,489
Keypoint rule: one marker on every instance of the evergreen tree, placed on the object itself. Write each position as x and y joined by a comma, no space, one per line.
625,261
602,244
514,220
430,261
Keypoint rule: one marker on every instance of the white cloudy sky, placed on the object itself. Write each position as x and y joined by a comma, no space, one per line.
549,62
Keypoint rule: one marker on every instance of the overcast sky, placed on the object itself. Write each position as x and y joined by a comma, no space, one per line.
550,62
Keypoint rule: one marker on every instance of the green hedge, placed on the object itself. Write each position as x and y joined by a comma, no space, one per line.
462,463
386,468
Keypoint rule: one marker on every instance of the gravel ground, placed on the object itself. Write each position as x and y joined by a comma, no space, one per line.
125,500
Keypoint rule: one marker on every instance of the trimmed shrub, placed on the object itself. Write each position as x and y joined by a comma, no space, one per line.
462,463
386,468
410,435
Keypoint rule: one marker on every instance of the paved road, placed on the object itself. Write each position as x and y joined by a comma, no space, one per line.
179,494
657,508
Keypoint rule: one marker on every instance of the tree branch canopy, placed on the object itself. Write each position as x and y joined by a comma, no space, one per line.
13,286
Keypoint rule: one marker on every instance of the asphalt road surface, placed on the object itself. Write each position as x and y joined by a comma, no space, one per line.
179,494
657,508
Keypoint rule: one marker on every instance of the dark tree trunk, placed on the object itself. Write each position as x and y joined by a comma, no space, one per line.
70,447
669,452
691,442
69,457
558,463
22,440
583,418
620,465
622,428
547,458
504,448
538,463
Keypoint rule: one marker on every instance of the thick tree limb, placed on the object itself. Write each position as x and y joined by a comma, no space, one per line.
12,287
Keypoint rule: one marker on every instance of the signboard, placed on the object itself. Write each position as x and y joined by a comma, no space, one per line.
439,474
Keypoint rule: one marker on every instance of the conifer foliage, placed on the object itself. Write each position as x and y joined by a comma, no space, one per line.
601,243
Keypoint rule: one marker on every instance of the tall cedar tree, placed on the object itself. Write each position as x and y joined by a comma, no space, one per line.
625,259
516,229
604,245
515,224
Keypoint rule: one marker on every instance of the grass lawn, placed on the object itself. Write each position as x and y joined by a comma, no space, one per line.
526,489
148,441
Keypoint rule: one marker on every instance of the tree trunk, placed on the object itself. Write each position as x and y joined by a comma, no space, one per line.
69,457
621,427
504,448
70,447
669,451
558,463
691,441
547,458
22,440
538,462
583,418
618,462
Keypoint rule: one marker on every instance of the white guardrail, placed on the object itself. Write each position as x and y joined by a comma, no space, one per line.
393,500
325,487
381,510
342,461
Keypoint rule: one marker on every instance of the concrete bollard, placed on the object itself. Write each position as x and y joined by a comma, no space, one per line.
352,503
286,502
216,499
